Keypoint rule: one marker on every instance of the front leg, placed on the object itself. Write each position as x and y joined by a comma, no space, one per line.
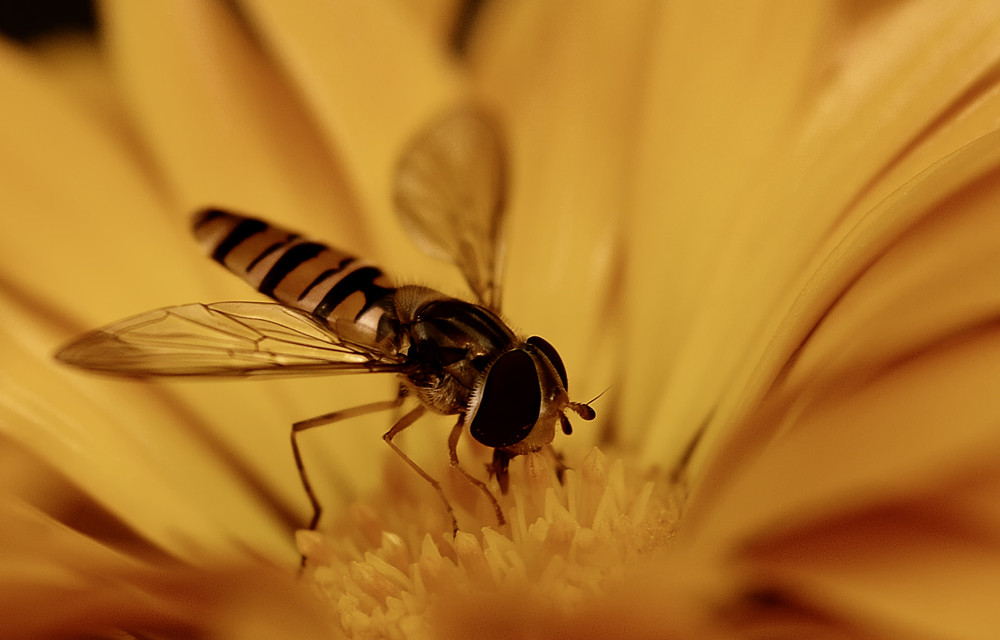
456,433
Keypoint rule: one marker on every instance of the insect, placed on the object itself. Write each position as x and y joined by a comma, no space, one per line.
338,314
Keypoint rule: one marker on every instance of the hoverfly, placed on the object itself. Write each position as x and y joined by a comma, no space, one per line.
338,314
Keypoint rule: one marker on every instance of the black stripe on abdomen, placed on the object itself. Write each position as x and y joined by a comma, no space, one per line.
271,249
362,280
287,263
321,278
245,229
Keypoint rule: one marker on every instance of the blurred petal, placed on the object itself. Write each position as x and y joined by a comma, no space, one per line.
868,444
647,608
58,583
721,97
937,279
893,386
926,564
55,176
441,19
893,85
77,64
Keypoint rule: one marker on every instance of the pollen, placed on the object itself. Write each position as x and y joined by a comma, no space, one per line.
389,565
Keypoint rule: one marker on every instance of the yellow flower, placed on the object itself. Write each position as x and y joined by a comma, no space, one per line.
770,227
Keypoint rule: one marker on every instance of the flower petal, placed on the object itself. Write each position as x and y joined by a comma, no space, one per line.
938,279
924,299
443,20
56,582
913,423
70,188
884,101
876,504
924,564
77,64
720,100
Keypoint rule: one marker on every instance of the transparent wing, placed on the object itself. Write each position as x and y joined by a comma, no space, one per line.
450,193
223,339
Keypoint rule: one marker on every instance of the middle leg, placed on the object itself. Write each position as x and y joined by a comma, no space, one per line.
401,424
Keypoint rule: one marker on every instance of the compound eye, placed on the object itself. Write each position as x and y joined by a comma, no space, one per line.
510,402
550,352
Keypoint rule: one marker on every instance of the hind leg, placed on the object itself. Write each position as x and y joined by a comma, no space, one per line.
331,418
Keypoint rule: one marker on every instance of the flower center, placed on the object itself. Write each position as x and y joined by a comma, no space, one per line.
385,570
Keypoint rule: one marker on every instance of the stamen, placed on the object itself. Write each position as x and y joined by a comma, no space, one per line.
565,542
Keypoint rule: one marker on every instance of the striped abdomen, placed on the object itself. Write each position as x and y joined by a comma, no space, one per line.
295,271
